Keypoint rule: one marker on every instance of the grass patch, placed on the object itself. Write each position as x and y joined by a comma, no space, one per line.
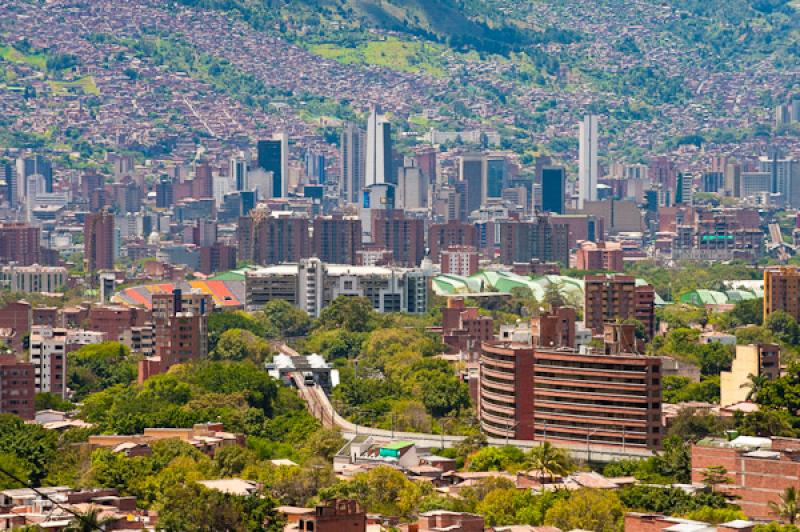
86,85
393,53
12,55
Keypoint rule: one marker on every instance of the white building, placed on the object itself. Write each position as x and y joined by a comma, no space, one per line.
48,356
33,278
587,160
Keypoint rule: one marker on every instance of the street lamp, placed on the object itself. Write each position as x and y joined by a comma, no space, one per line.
588,448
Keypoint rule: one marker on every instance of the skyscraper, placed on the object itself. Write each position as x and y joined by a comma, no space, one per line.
28,166
238,172
352,164
273,156
553,182
98,241
379,150
587,161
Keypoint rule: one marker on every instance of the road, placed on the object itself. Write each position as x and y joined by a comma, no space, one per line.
320,407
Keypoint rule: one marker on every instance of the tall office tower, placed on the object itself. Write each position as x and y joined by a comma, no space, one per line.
471,174
412,187
733,179
273,156
495,175
684,189
28,166
662,172
379,150
521,242
20,243
273,238
426,161
782,291
98,241
35,185
404,237
587,160
315,166
453,233
784,177
378,197
611,298
238,172
8,171
165,195
337,239
553,189
203,182
352,164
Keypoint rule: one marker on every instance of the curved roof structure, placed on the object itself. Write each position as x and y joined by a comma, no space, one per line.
504,282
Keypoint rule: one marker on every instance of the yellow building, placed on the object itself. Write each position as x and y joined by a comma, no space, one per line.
753,359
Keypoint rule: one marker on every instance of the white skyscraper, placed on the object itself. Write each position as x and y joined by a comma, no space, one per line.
379,150
587,160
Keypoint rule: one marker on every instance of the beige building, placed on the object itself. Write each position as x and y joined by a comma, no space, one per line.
753,359
33,278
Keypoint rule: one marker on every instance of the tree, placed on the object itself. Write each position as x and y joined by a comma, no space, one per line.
285,319
766,422
96,367
497,459
789,506
784,327
549,461
51,401
755,384
713,476
588,509
240,344
749,312
353,314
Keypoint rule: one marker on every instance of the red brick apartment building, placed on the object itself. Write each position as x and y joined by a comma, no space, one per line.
599,256
534,393
334,516
638,522
463,329
758,474
609,298
17,389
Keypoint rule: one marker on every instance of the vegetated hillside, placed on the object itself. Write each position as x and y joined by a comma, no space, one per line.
444,21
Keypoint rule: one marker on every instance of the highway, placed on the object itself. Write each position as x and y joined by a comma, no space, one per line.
320,407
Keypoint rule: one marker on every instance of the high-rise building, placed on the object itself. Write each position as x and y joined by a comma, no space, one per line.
203,182
495,175
217,257
784,177
470,172
181,331
587,160
98,243
520,242
352,164
426,161
17,391
337,239
453,233
599,256
273,156
315,166
36,165
8,171
20,243
273,238
165,194
612,298
553,189
404,237
610,399
48,354
412,188
379,150
782,291
238,172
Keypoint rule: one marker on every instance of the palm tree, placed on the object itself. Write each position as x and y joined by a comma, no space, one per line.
756,384
789,507
91,521
549,461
